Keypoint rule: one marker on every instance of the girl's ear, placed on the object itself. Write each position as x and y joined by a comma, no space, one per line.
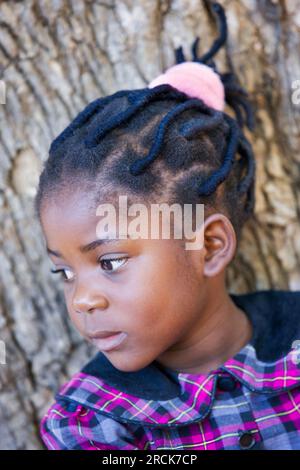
219,244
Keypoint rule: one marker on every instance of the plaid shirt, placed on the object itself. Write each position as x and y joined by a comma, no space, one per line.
252,401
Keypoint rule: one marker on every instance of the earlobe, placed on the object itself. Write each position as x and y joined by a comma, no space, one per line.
219,243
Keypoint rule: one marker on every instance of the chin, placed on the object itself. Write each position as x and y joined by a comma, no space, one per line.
126,364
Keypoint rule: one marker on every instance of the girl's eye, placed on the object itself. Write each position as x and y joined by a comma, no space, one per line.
108,264
112,264
63,271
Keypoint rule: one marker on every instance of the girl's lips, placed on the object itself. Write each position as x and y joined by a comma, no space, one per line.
110,342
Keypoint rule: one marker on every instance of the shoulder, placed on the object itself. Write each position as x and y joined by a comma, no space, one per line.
275,318
277,308
262,300
68,425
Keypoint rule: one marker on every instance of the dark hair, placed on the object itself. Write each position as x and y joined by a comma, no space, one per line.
197,154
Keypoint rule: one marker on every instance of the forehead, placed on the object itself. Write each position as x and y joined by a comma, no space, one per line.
73,210
75,219
76,216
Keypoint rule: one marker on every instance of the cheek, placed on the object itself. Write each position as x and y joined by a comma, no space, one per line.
157,318
157,301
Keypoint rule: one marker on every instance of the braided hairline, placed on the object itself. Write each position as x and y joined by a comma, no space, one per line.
208,118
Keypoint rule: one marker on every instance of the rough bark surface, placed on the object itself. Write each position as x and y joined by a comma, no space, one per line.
55,57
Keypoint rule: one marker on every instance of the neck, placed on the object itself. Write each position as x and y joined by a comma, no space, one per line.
221,330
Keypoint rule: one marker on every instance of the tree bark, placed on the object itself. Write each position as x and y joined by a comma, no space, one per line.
55,58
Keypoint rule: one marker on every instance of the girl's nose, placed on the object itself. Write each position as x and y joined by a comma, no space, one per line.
86,306
85,301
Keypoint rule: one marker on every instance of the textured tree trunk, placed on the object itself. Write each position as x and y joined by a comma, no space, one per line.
55,57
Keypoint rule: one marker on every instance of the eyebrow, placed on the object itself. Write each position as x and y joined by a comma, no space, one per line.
89,247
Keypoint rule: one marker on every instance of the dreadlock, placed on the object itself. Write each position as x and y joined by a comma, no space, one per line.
197,154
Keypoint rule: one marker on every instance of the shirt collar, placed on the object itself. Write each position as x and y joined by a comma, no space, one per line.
159,396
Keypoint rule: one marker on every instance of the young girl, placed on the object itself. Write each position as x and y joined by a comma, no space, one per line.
182,363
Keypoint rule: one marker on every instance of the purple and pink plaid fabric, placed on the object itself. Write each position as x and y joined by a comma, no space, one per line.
244,404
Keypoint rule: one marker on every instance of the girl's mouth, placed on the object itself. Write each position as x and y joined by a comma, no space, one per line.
107,342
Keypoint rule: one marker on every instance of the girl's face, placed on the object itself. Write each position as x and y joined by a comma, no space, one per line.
152,290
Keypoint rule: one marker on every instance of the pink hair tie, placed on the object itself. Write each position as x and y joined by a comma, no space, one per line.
197,81
200,79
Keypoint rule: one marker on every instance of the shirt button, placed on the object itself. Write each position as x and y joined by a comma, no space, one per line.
68,405
226,383
246,440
